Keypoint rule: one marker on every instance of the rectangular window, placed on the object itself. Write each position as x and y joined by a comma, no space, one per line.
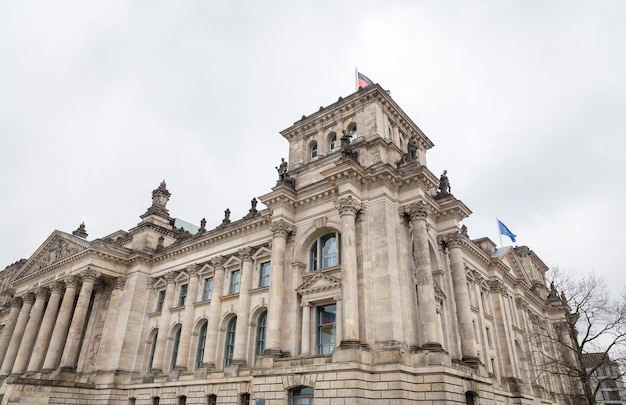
156,400
207,288
493,365
182,297
488,333
160,301
326,328
182,400
234,282
264,274
211,399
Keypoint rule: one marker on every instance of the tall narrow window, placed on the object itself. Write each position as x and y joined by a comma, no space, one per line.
332,142
175,348
264,274
182,400
313,150
352,133
326,328
244,399
156,400
230,341
324,252
211,399
152,349
182,296
488,333
160,301
260,333
301,396
234,282
201,345
207,288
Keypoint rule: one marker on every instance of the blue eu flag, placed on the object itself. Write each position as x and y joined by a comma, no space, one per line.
505,231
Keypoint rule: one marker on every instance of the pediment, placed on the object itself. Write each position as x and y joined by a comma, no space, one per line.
318,282
511,261
57,248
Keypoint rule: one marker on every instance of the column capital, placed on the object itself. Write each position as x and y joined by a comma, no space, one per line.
169,277
57,287
416,210
16,302
245,254
453,240
305,304
348,206
497,287
42,292
72,282
281,228
193,270
28,298
218,262
119,283
90,275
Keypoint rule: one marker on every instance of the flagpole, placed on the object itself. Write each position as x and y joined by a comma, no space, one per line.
356,78
499,233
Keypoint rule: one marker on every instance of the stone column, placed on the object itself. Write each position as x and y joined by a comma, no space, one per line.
30,333
182,360
9,327
61,326
502,323
338,326
164,322
305,346
243,313
18,334
348,208
108,353
75,334
45,331
430,326
462,299
280,230
210,349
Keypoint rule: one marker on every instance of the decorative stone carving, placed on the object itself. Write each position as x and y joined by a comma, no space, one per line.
218,261
58,249
90,275
193,270
444,186
416,210
202,226
245,254
226,219
346,149
348,205
80,231
29,298
453,240
281,228
169,277
42,292
16,302
253,212
497,287
160,197
119,283
72,281
57,286
283,175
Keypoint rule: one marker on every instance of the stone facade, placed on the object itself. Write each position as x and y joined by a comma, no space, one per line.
356,285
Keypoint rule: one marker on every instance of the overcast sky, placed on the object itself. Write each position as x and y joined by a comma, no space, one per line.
525,102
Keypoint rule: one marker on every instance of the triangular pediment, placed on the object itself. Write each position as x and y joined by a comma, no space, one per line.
319,282
59,247
512,262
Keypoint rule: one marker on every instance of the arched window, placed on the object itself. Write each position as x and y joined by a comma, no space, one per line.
313,149
260,333
182,400
229,350
211,399
352,131
175,348
201,345
301,396
152,350
332,141
324,252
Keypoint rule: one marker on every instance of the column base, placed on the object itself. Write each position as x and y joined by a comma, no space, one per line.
272,352
471,361
432,347
349,344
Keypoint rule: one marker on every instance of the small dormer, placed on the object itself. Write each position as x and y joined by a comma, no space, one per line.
379,132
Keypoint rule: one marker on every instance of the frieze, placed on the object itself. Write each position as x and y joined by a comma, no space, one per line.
57,250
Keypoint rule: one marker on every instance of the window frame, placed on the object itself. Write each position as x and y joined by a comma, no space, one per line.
261,329
319,257
202,335
265,270
175,347
207,288
321,347
152,351
309,395
234,285
182,294
160,302
211,399
229,341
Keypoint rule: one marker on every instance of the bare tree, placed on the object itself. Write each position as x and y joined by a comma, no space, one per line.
587,327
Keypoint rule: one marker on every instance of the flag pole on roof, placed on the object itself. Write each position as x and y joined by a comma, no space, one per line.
356,78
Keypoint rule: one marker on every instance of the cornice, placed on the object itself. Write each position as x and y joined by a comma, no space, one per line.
233,230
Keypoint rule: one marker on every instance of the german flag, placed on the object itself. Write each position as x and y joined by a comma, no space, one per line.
363,81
